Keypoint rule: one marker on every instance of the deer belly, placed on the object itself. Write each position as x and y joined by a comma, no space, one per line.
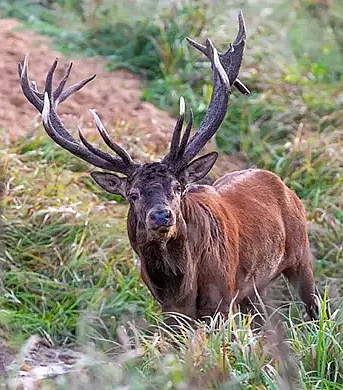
265,271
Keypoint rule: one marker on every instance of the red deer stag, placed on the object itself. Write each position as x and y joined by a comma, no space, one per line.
199,246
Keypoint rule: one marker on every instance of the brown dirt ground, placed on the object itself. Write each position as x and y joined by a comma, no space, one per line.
115,95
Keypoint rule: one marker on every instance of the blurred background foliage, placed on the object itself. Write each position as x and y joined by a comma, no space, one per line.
292,124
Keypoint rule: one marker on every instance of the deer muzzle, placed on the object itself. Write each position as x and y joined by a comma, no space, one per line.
161,219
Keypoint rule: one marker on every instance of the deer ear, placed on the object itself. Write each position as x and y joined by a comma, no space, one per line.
110,182
198,168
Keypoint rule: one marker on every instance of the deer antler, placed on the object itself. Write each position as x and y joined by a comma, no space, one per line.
46,103
225,68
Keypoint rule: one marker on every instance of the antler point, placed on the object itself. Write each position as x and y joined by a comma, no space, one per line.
26,61
92,111
46,108
82,138
182,106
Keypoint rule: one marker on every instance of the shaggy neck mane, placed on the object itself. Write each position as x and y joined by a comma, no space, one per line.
200,238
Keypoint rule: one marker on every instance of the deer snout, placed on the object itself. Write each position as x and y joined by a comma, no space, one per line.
160,217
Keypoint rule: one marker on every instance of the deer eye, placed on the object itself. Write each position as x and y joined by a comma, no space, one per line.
134,196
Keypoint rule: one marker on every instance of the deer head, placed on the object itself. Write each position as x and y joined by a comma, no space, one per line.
153,190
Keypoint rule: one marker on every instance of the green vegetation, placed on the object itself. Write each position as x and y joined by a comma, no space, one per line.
70,271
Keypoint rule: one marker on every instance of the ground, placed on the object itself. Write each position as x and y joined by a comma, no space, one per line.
115,95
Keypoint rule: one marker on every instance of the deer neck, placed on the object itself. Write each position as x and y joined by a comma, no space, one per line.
166,263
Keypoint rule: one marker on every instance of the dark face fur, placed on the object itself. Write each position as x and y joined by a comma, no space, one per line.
154,192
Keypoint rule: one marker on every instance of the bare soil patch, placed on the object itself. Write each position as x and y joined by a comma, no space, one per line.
115,95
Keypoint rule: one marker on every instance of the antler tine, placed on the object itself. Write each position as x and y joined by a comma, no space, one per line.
198,46
241,87
174,145
60,96
62,83
186,135
97,158
46,104
111,144
35,97
49,78
237,83
225,68
73,88
241,29
56,119
31,95
241,36
98,152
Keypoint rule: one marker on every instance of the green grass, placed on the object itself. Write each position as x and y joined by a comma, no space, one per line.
69,268
71,273
74,255
207,358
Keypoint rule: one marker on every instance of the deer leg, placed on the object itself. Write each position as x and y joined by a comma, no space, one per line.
185,308
187,311
302,279
212,299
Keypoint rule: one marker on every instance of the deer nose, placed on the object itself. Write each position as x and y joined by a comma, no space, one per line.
160,217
